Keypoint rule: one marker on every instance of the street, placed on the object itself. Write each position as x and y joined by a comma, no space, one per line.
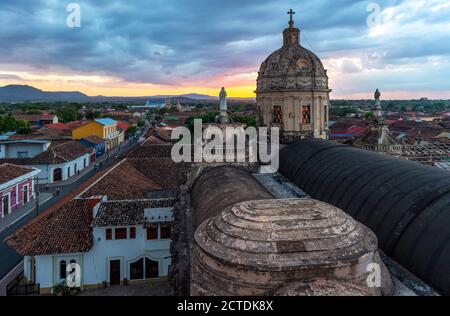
9,258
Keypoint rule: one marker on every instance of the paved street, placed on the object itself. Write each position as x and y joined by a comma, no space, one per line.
10,219
10,258
149,288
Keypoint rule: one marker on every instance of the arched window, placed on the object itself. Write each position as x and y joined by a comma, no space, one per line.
62,269
57,174
151,269
137,270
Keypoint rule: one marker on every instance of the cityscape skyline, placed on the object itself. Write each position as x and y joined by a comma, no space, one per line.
195,47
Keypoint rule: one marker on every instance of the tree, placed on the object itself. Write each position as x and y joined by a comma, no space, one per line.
368,115
132,130
90,115
10,124
69,113
245,119
206,118
343,111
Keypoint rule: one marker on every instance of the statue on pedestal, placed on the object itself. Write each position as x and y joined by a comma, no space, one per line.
377,96
223,117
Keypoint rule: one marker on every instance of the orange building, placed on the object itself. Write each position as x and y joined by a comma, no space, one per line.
105,128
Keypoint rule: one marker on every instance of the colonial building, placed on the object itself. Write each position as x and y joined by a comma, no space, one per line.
105,128
16,187
58,162
292,90
23,148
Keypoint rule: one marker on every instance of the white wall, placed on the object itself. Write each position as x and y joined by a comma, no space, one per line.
46,175
95,263
12,150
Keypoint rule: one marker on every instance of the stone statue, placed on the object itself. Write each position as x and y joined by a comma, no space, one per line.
223,117
377,96
223,100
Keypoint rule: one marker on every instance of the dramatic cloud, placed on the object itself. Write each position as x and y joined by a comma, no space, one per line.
168,44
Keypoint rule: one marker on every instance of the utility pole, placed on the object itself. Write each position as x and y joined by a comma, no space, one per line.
36,190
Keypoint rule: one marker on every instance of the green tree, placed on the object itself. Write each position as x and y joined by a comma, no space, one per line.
132,130
245,119
69,113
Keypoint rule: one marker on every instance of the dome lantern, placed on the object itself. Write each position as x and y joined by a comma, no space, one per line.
291,35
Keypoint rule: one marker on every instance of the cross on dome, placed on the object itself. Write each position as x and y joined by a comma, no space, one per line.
291,20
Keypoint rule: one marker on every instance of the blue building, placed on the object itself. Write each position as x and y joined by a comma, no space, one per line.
96,142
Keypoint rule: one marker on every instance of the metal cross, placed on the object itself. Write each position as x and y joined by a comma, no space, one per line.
291,13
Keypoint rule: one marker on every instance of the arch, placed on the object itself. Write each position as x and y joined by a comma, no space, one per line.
151,268
144,267
57,174
62,269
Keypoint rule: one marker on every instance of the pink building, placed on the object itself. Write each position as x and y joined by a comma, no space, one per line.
16,187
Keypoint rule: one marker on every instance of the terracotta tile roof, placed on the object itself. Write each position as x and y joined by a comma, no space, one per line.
151,151
75,124
48,116
123,181
46,134
57,126
163,171
123,126
66,229
129,212
27,117
161,134
153,140
94,139
61,153
56,154
9,172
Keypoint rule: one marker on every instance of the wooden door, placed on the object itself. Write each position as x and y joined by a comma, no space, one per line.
114,272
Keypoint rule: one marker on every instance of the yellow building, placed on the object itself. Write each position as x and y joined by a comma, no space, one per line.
105,128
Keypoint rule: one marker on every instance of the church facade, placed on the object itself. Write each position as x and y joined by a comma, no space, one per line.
292,90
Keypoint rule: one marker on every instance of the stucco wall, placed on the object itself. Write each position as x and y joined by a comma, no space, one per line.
12,150
46,175
95,263
16,196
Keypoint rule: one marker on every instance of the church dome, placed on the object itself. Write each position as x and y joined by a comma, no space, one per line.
282,246
292,67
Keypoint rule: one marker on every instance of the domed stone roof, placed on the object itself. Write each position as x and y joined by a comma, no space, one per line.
292,67
258,247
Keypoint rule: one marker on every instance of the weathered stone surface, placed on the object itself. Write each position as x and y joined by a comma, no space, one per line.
220,187
283,247
406,204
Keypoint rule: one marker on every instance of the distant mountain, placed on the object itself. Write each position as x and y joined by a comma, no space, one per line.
24,93
197,96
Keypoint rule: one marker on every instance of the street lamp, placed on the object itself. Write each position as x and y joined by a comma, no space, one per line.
36,190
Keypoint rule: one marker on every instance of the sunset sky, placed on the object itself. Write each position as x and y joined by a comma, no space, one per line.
151,47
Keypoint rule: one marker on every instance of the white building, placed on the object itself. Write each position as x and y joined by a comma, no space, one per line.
114,242
57,163
23,148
